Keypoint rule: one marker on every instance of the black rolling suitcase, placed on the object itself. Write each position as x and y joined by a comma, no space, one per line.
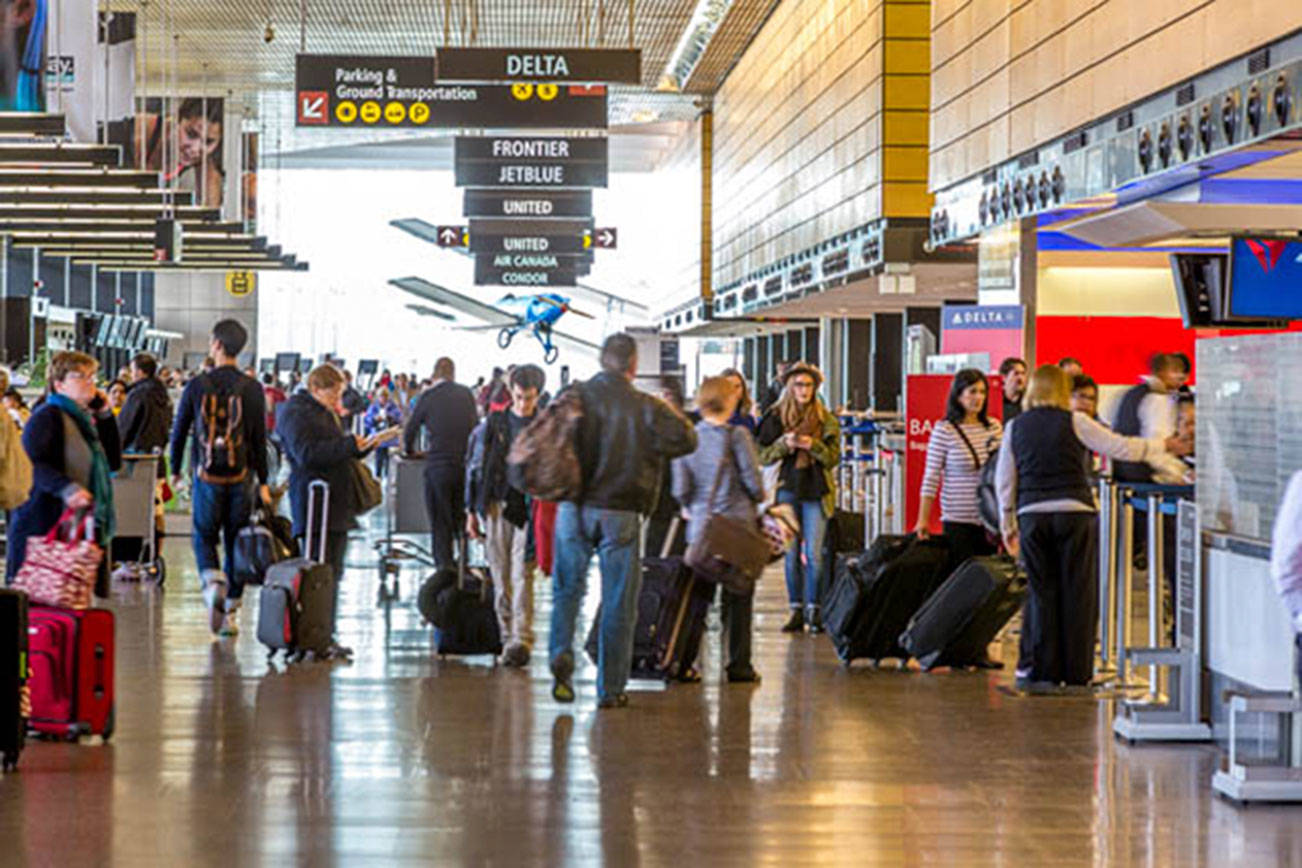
877,591
844,536
465,615
671,608
13,676
956,625
296,604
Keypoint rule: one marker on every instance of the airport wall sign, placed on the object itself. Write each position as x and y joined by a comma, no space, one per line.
530,161
541,64
379,91
529,204
451,236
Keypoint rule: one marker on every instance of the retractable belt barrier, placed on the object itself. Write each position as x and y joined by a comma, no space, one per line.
869,476
1170,709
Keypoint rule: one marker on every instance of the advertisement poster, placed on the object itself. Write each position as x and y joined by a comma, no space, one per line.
22,54
982,328
182,141
924,405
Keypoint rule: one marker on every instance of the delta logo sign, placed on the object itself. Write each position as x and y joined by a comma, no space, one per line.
982,328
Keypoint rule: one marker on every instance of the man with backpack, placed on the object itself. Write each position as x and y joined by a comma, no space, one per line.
498,512
228,415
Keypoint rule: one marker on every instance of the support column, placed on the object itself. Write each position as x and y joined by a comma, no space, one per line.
707,205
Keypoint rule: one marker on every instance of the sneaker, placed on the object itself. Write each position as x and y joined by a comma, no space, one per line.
690,675
743,676
214,597
619,700
563,674
231,623
126,572
796,623
516,654
815,619
338,652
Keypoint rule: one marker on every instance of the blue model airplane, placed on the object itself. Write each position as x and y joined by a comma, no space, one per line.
508,316
539,313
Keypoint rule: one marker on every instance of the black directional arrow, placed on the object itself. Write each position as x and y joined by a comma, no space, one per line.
452,236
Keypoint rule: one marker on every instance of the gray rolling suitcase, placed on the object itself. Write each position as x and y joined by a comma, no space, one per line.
958,622
296,604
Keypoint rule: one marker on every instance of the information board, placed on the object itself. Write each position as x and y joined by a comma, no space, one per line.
530,161
384,91
531,203
541,64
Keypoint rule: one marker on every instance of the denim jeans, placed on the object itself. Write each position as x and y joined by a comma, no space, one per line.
813,527
614,534
219,511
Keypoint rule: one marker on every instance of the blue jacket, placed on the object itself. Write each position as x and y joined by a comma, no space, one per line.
317,448
44,442
381,416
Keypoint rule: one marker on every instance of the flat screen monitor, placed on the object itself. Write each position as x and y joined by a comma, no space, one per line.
103,331
304,366
287,361
1199,283
1265,278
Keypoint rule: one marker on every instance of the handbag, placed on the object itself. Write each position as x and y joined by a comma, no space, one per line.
58,569
367,493
730,551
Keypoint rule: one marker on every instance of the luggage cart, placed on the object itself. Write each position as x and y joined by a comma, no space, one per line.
404,515
134,489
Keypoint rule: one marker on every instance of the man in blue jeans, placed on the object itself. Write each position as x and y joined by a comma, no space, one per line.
228,414
623,440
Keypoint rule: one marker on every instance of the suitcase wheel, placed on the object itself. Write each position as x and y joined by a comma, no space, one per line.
110,723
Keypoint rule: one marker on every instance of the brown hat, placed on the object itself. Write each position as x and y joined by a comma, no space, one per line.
803,368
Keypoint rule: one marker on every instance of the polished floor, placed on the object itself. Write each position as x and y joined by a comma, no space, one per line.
403,758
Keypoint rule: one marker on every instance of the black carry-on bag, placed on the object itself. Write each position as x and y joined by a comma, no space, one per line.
877,591
296,604
465,615
957,623
13,676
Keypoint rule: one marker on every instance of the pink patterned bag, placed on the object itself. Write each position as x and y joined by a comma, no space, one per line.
60,569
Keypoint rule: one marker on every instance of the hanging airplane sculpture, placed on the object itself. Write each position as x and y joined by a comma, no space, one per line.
510,315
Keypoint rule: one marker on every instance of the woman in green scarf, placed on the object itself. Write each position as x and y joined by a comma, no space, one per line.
73,442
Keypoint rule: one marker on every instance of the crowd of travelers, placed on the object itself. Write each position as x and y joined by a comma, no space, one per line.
653,474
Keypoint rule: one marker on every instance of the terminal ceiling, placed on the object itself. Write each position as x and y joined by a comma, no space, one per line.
221,46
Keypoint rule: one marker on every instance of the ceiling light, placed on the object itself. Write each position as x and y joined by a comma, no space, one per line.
700,29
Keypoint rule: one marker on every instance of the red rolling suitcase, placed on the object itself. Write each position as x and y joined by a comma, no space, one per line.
70,657
13,676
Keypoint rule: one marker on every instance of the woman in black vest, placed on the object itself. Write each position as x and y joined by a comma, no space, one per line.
1047,512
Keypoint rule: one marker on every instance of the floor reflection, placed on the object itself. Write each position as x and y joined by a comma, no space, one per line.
405,758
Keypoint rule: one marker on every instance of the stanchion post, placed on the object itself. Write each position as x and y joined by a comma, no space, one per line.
1106,558
1154,579
1124,583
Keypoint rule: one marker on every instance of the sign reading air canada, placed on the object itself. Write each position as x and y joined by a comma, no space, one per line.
530,236
515,203
540,64
527,269
362,91
531,161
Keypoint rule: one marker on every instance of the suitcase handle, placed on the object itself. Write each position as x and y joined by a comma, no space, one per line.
464,544
314,488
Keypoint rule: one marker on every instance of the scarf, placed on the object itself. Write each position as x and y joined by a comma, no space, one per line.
809,424
101,483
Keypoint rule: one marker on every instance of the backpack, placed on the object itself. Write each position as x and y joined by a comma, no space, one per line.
15,466
222,450
544,458
987,494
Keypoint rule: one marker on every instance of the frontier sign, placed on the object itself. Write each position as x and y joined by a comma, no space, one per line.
531,161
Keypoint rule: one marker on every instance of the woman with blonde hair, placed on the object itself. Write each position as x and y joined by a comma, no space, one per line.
744,415
1047,513
802,435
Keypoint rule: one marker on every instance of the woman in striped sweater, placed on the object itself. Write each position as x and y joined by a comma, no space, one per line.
960,446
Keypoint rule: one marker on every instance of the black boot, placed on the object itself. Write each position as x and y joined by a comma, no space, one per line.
796,623
815,620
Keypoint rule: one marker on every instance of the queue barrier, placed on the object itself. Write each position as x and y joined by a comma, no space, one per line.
870,475
1170,706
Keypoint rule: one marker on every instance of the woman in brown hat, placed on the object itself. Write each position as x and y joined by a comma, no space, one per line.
800,434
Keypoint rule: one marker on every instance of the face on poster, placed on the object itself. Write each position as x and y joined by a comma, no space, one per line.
22,55
183,144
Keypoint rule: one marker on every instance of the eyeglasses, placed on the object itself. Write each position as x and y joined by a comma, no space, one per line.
803,384
78,375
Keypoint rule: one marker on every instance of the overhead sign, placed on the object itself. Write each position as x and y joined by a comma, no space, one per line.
982,328
241,283
531,161
510,269
367,91
516,203
452,236
607,237
540,64
529,236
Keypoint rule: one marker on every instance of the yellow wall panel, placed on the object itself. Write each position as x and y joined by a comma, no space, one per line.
906,199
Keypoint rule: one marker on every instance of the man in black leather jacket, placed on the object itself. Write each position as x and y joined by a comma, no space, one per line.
624,439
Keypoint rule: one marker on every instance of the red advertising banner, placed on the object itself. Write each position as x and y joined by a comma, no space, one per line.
924,405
